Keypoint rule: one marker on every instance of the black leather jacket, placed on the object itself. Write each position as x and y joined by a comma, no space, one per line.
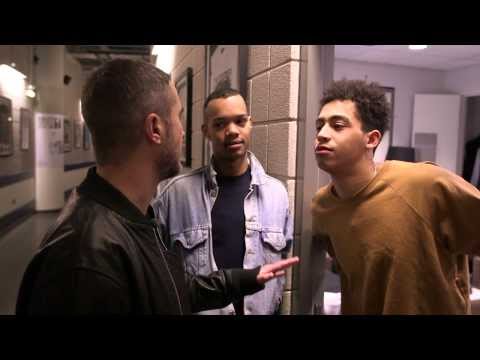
103,256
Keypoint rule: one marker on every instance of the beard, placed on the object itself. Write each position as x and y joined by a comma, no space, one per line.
169,164
169,167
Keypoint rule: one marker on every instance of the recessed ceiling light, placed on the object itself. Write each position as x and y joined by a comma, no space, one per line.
417,47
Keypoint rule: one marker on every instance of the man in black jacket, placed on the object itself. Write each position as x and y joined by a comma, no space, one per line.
104,255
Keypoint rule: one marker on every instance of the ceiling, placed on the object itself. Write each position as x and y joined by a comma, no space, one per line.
436,57
91,56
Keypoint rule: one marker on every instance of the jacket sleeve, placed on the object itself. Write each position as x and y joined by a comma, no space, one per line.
222,287
77,292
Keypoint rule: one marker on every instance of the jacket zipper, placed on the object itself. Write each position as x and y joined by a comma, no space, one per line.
157,236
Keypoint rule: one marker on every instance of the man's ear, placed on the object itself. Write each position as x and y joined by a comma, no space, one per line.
205,130
155,128
373,139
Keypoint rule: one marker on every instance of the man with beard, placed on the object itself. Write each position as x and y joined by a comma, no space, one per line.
104,254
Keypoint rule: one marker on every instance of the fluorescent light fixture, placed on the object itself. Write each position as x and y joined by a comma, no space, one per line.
30,91
417,47
9,71
165,56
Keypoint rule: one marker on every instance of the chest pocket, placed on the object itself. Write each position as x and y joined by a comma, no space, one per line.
192,245
273,244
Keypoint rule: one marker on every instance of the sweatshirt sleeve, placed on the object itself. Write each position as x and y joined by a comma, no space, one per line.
458,204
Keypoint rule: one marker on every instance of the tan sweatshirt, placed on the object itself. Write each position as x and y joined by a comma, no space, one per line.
401,242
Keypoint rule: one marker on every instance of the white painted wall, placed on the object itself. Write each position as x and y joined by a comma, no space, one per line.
440,114
407,82
73,178
464,81
16,195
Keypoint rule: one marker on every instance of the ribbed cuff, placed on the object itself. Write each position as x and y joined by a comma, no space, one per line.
245,281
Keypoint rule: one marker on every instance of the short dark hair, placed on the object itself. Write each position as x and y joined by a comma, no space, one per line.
369,99
116,99
221,93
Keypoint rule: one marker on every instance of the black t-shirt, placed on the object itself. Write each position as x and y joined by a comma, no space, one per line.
228,223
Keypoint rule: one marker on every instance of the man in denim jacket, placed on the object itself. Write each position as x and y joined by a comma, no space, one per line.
230,213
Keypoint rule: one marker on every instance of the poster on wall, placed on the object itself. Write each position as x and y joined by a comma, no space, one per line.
228,67
67,135
78,135
6,127
25,124
87,138
49,140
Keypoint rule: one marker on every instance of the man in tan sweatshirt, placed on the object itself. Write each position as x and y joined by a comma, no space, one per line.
400,232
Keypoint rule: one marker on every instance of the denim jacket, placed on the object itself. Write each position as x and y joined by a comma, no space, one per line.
183,210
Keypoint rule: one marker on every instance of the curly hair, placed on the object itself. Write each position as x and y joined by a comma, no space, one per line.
369,98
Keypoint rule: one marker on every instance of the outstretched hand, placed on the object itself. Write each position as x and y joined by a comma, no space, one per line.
270,271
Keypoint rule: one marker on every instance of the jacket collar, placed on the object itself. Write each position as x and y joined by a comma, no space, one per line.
258,173
101,191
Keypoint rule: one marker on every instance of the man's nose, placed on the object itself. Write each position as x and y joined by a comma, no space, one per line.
324,133
231,129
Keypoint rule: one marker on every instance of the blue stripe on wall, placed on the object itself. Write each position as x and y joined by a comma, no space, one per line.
14,218
82,165
12,179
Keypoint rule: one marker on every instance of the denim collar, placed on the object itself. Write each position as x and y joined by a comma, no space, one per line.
258,173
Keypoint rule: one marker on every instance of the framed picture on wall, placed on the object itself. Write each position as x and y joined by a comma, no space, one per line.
26,117
228,67
87,138
78,135
184,85
67,135
6,127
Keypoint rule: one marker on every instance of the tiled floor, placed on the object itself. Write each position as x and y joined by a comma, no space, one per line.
16,249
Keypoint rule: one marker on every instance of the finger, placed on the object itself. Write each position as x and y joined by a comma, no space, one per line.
283,264
279,273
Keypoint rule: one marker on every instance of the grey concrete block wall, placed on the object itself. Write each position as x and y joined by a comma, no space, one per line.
199,86
272,90
280,54
282,145
258,59
197,143
197,116
198,58
259,97
193,56
258,143
284,85
181,51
